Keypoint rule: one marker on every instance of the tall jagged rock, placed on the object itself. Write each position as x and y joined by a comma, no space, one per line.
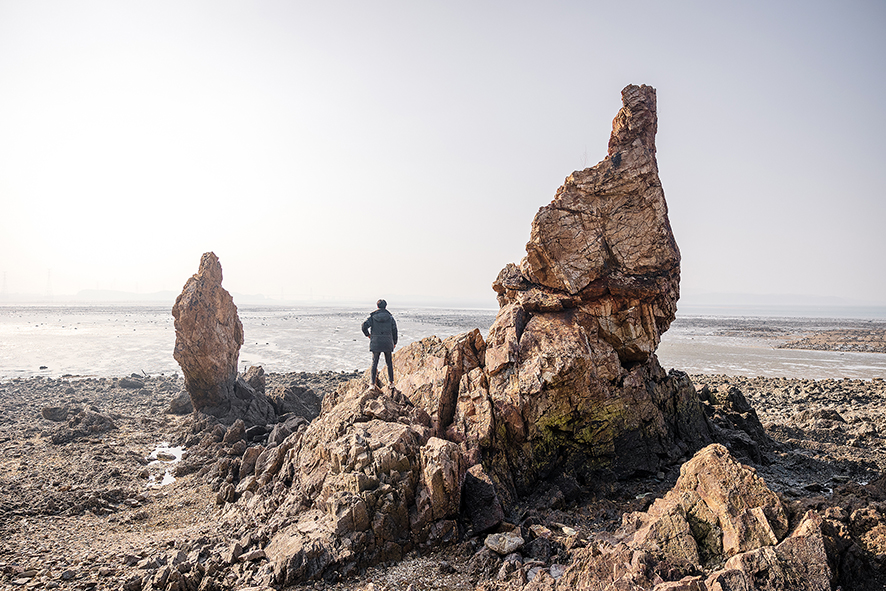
208,336
567,379
604,244
571,370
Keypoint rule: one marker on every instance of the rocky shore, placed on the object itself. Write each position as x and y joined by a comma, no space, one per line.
555,452
80,509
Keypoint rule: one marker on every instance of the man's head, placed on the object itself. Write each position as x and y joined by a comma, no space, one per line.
381,304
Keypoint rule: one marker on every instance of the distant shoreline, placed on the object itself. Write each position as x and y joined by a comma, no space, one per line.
113,338
683,310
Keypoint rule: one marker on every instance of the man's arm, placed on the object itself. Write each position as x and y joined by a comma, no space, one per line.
394,329
366,326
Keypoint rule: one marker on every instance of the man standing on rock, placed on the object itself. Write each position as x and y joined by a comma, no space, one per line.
381,329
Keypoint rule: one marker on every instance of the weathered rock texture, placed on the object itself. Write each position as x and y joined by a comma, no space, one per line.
718,511
366,482
208,336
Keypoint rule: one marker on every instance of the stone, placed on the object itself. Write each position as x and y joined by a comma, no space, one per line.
235,433
719,516
472,422
363,483
256,378
253,555
131,384
299,400
691,583
85,423
180,404
799,562
504,543
735,423
429,373
208,336
247,462
55,413
279,434
442,475
718,508
480,500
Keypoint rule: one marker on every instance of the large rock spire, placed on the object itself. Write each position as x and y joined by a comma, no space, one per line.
570,364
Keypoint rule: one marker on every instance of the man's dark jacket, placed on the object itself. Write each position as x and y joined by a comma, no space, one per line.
382,330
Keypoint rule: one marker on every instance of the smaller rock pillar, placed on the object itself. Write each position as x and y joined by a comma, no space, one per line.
208,336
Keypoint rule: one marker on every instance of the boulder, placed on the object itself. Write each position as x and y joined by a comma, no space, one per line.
429,373
719,516
365,482
256,377
504,543
55,413
180,404
799,562
735,423
717,509
86,423
480,501
293,398
131,383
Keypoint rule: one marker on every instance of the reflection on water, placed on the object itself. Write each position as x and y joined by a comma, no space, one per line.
162,459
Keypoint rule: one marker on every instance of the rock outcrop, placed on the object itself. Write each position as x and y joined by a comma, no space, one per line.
567,379
366,482
208,336
720,515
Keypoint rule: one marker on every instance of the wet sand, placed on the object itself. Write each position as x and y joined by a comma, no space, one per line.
804,348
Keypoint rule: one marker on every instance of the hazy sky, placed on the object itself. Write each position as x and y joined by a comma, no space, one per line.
354,150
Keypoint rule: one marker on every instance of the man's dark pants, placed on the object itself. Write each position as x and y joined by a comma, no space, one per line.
388,360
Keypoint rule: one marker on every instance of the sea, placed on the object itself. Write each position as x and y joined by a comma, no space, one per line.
105,340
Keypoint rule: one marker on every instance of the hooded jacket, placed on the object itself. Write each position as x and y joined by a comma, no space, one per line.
381,328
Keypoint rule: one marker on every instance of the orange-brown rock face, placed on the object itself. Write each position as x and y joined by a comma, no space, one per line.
604,243
718,511
570,365
208,336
